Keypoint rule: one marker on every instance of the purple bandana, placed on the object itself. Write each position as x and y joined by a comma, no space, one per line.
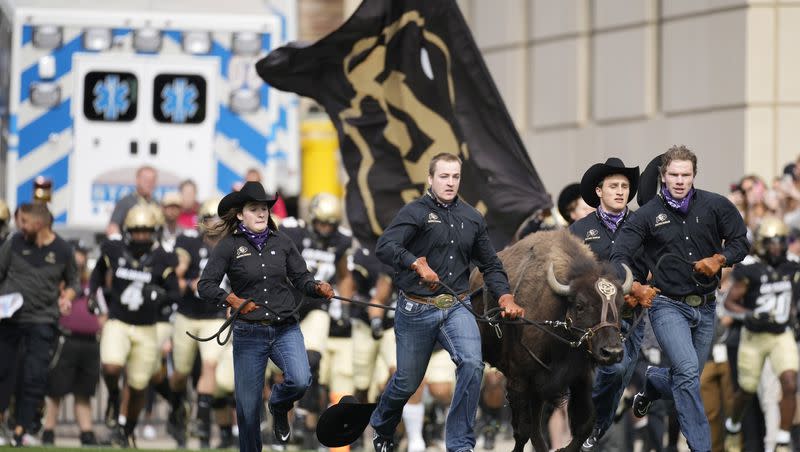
611,220
682,205
257,239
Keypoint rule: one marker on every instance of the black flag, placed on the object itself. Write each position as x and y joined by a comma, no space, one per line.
403,80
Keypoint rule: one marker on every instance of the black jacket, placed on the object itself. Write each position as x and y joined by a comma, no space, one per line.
660,229
450,238
600,239
257,275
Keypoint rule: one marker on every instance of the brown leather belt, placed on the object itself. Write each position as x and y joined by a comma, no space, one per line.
442,301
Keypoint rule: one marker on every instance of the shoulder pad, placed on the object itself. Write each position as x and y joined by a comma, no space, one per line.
345,231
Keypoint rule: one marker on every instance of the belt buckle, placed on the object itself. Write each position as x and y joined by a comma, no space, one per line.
444,301
694,300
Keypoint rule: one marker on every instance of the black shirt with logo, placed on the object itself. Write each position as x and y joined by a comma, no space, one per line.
659,229
594,233
771,291
366,270
37,273
192,246
450,237
126,298
267,275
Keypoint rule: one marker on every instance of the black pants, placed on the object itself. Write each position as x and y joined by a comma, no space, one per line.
31,344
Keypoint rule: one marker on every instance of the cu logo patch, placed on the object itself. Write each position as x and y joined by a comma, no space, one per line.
242,251
661,219
433,218
592,234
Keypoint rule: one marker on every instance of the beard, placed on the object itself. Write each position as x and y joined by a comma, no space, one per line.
29,236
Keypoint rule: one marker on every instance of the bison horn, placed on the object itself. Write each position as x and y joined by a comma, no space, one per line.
626,285
561,289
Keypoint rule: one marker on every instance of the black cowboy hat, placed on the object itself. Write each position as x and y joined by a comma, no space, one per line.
599,171
343,423
250,192
568,194
649,181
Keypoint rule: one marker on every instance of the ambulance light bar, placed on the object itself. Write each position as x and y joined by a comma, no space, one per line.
47,37
246,43
97,39
45,94
197,42
147,40
244,100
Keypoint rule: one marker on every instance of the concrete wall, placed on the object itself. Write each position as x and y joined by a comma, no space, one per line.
588,79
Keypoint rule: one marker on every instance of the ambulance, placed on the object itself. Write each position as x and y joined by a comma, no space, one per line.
91,90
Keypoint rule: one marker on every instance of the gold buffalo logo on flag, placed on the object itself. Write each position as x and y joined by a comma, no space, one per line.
403,81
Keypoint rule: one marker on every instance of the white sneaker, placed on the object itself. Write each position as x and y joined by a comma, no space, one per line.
148,432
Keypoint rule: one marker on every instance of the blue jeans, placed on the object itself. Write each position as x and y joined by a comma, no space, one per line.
685,335
611,381
253,345
417,328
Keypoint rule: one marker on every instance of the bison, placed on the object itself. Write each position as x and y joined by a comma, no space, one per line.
557,278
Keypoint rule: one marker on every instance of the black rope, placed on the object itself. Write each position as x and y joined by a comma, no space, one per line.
228,324
705,286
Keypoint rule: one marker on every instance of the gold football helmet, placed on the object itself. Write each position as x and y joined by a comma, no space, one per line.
771,230
143,217
325,208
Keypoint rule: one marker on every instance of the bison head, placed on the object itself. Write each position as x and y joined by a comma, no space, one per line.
595,298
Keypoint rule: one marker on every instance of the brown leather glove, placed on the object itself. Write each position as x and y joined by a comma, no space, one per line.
324,289
641,295
510,307
426,274
235,302
710,266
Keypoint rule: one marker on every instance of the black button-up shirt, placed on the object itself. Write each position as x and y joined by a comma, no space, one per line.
600,239
660,229
191,244
450,237
258,275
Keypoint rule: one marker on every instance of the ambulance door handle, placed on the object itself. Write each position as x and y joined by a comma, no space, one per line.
153,148
134,148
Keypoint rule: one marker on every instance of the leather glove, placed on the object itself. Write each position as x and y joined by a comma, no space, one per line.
235,302
376,325
710,266
324,290
641,295
426,274
510,307
753,321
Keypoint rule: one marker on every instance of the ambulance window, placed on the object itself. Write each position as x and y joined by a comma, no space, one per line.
179,98
110,96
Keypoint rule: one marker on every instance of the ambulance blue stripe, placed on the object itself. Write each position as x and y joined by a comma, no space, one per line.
27,34
226,177
266,42
58,172
63,56
174,35
233,127
12,124
280,123
37,132
224,57
264,94
61,218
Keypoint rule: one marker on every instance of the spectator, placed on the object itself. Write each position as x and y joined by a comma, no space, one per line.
34,264
75,367
171,211
189,205
146,177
